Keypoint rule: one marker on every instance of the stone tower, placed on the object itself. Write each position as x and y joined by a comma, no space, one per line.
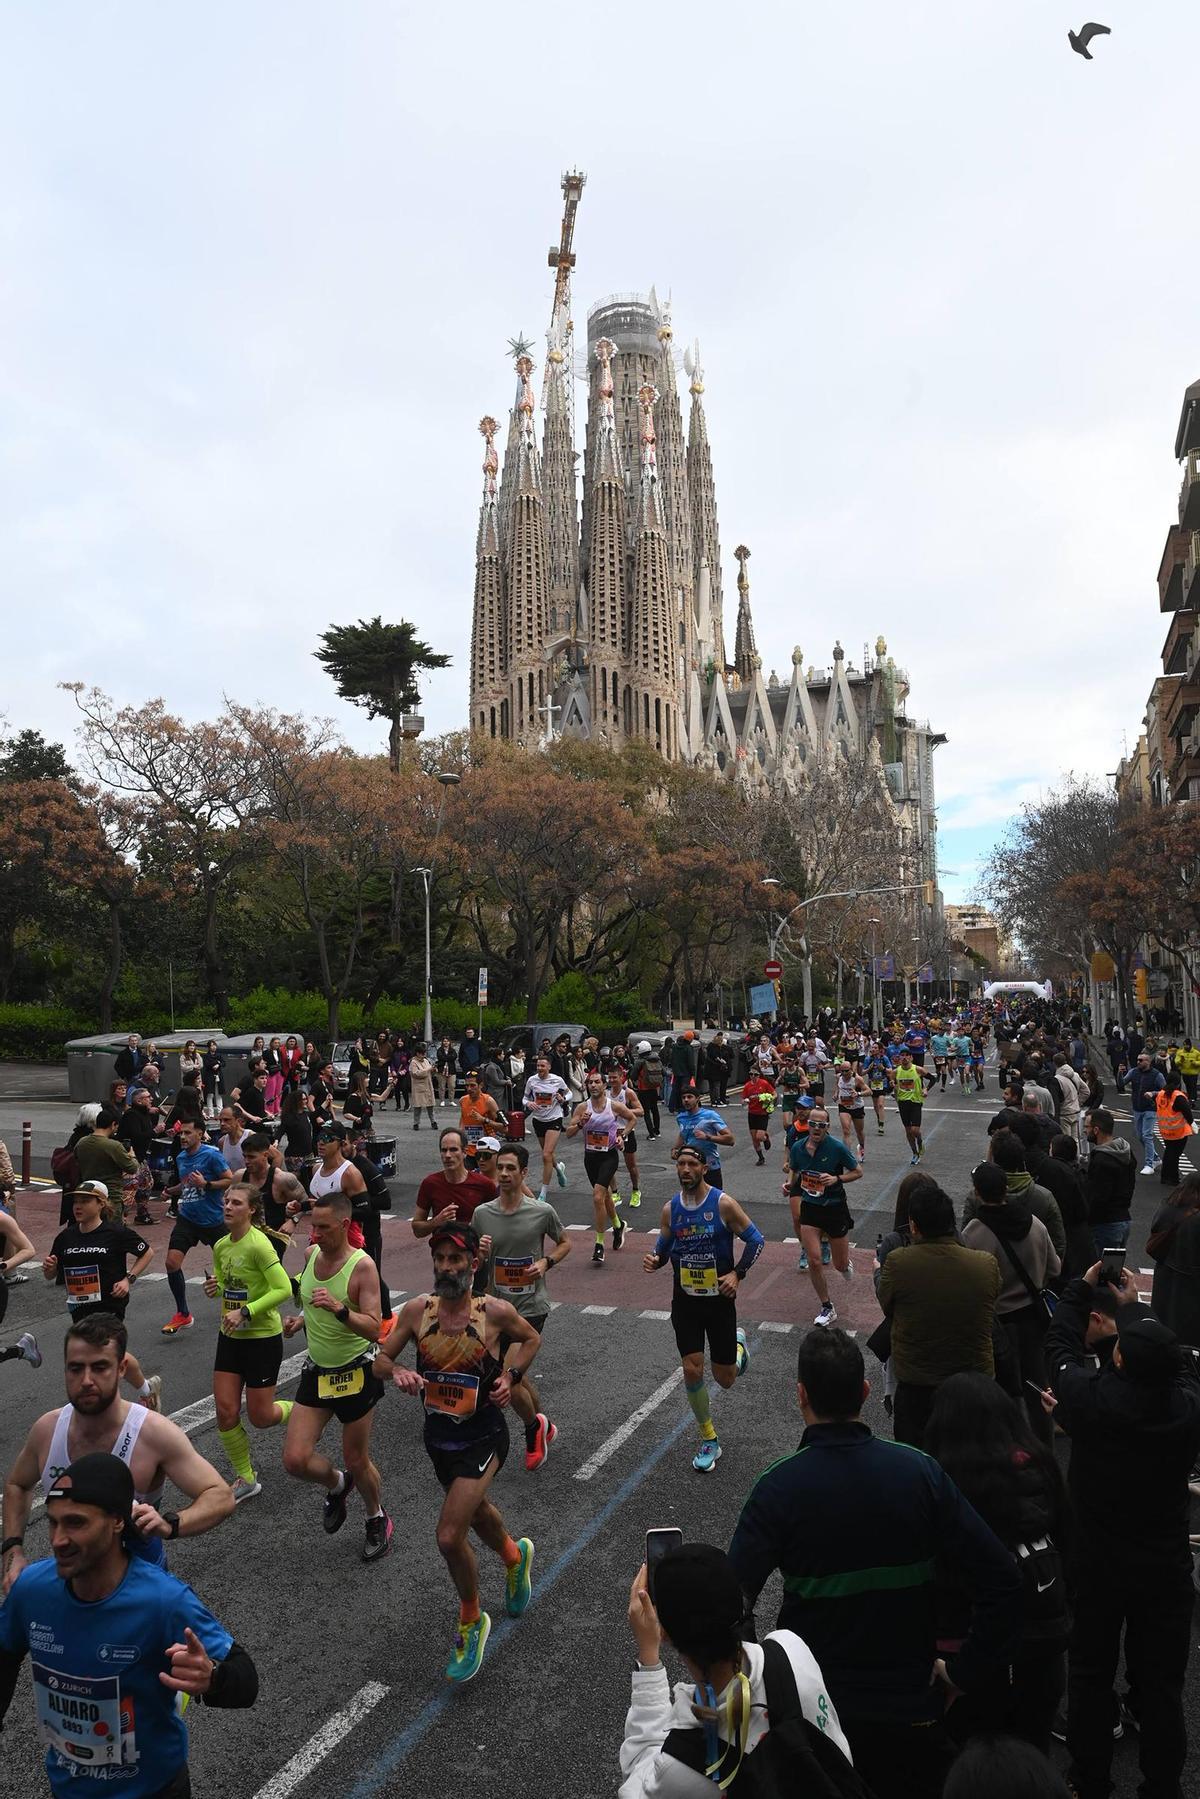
489,633
706,541
745,650
652,707
606,557
527,576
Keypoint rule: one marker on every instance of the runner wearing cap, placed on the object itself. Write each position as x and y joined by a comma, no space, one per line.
464,1383
113,1642
89,1258
339,1293
512,1249
97,1418
696,1237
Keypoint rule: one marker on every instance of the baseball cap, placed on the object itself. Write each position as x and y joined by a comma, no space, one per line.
643,1049
491,1145
463,1236
1149,1351
336,1129
96,1188
99,1480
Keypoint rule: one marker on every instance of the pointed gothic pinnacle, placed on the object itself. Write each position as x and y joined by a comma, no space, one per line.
743,556
692,366
525,370
487,430
839,654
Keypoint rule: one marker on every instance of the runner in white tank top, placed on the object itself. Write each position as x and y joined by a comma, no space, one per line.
58,1459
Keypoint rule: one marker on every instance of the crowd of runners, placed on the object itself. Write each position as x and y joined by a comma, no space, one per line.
467,1352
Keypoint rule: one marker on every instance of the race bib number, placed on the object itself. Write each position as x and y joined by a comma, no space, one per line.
454,1395
514,1273
79,1717
341,1383
233,1299
544,1101
698,1276
812,1186
83,1283
474,1133
597,1140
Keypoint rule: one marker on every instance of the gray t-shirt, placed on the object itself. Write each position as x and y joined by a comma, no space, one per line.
518,1239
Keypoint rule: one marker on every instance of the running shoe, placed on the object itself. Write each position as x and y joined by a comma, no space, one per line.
707,1456
379,1537
467,1655
153,1399
618,1230
826,1315
743,1353
333,1513
182,1321
761,1160
848,1272
518,1588
881,1131
245,1489
802,1264
914,1161
27,1343
635,1199
598,1256
862,1156
560,1172
544,1434
767,1141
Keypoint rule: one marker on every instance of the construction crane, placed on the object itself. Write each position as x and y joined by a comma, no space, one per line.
562,257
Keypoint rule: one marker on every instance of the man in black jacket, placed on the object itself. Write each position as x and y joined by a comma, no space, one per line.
1134,1427
855,1525
1110,1180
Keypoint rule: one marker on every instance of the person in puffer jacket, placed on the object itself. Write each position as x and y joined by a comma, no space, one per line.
698,1608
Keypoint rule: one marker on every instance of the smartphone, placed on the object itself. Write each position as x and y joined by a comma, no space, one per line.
1112,1261
1034,1388
658,1542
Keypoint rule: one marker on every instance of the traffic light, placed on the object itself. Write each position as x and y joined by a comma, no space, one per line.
1141,986
929,892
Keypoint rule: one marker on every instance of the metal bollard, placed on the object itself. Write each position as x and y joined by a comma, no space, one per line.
27,1153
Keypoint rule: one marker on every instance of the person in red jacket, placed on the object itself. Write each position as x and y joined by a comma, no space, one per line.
758,1097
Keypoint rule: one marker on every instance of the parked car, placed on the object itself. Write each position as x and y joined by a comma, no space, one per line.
517,1038
339,1055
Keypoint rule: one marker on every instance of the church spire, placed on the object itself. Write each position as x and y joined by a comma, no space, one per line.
652,618
673,475
706,541
745,652
558,476
526,570
606,560
489,624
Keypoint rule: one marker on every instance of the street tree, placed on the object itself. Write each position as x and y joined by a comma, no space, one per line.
375,666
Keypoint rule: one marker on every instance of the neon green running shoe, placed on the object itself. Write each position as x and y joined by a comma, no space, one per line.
519,1586
466,1657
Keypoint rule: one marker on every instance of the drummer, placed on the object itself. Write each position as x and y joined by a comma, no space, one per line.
139,1122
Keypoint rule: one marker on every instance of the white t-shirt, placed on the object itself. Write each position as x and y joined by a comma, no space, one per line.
546,1096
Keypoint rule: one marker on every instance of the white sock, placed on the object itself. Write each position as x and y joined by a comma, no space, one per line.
340,1488
378,1513
144,1390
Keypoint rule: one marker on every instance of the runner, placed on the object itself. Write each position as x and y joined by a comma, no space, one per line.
96,1418
758,1097
250,1282
465,1385
339,1293
453,1194
792,1083
852,1092
204,1175
274,1188
703,1128
941,1044
16,1248
878,1072
477,1113
619,1089
232,1144
696,1235
512,1248
104,1633
89,1258
964,1048
909,1083
820,1169
814,1060
601,1120
545,1094
977,1051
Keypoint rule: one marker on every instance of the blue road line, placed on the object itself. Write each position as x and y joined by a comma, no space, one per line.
427,1717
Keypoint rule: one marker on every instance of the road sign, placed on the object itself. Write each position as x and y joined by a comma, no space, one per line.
773,970
482,1000
763,998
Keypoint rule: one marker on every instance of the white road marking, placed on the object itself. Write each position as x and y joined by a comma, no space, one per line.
578,1227
326,1740
610,1445
656,1315
598,1311
781,1328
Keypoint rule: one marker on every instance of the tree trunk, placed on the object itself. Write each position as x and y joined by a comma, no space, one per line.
806,968
395,740
214,972
333,1005
113,972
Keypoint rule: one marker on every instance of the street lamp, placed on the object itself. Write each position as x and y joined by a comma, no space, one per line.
447,779
873,922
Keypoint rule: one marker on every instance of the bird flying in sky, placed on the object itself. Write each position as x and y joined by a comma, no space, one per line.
1079,40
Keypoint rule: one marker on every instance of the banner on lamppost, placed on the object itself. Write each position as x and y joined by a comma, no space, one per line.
482,1001
925,975
885,968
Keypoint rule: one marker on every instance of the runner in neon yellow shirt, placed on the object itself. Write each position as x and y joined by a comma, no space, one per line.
909,1082
251,1283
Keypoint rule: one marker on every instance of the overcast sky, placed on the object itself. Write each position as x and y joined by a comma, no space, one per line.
258,263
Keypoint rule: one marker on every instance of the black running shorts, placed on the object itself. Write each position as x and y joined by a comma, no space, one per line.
694,1320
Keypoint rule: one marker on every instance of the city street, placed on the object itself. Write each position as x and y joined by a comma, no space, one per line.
353,1699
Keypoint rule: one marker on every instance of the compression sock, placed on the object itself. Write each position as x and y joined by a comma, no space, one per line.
236,1445
510,1554
178,1288
284,1408
468,1610
531,1431
697,1398
600,1238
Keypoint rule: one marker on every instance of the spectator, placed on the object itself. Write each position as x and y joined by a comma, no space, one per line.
398,1072
137,1129
447,1070
856,1525
1109,1180
940,1298
981,1439
420,1070
1174,1119
1007,1152
1187,1061
1042,1117
251,1099
1134,1425
1174,1247
210,1076
716,1068
320,1092
102,1158
697,1609
273,1063
130,1061
8,1176
899,1237
381,1056
190,1060
683,1068
1027,1259
1061,1174
296,1129
493,1080
648,1081
1003,1768
1144,1082
188,1107
291,1061
468,1052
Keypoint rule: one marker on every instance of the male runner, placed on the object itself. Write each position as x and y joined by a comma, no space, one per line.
464,1385
89,1259
620,1090
851,1104
910,1083
696,1235
204,1175
274,1188
545,1096
455,1192
703,1128
96,1418
512,1248
758,1097
940,1043
820,1169
878,1072
339,1294
234,1131
477,1112
814,1060
965,1057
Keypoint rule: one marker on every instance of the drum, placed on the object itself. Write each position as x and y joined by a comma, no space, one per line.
382,1151
160,1160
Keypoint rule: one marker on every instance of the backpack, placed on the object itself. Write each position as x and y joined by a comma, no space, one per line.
1045,1608
64,1166
793,1758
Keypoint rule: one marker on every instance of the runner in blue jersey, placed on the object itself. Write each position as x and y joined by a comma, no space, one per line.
941,1045
704,1128
878,1072
114,1644
695,1236
962,1047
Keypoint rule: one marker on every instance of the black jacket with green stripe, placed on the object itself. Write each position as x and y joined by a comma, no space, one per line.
856,1526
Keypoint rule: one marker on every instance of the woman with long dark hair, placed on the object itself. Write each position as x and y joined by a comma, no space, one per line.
1174,1247
983,1441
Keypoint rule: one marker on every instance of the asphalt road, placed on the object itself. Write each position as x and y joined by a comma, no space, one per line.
365,1647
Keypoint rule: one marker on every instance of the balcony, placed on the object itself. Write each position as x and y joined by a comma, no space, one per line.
1178,652
1189,493
1183,768
1180,707
1191,567
1170,569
